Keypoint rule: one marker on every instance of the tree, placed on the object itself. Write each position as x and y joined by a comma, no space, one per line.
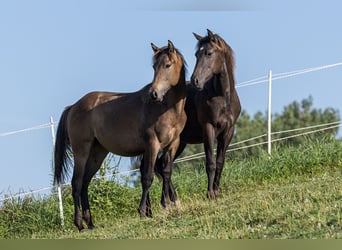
294,116
301,115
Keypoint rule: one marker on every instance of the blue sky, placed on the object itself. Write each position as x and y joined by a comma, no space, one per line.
54,52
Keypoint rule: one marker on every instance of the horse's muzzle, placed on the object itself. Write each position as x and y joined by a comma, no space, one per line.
195,83
155,96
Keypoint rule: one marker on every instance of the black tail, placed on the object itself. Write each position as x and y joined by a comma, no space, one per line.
62,149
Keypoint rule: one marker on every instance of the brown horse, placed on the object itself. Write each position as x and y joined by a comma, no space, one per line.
144,122
212,108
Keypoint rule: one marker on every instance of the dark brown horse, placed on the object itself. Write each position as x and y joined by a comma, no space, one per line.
212,108
144,122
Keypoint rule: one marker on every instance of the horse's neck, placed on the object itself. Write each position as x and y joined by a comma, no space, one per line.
222,83
176,98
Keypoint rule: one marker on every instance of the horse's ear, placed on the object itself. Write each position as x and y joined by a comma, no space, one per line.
155,48
198,37
171,46
213,38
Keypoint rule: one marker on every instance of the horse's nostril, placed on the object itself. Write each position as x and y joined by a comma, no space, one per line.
153,95
194,80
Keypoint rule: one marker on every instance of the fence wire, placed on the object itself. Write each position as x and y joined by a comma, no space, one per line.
200,155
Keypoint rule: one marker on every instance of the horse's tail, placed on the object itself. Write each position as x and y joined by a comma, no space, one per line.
62,149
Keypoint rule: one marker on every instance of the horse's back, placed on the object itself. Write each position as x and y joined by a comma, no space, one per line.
81,112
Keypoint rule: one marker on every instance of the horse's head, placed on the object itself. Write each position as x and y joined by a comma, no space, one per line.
167,64
211,57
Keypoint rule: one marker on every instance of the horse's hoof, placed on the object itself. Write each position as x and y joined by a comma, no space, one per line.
144,214
149,214
79,227
177,204
164,204
211,195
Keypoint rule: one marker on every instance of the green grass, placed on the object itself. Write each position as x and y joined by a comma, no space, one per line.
300,207
297,193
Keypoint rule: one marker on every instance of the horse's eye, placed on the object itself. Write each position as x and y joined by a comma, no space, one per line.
168,65
209,53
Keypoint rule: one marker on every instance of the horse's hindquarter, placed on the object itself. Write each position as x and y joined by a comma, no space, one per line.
80,119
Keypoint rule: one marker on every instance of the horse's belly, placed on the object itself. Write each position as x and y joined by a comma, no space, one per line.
122,143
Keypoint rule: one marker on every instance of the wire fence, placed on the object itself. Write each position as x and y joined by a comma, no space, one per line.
42,126
329,126
264,79
233,147
326,126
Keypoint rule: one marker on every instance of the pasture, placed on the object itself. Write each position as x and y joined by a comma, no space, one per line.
297,193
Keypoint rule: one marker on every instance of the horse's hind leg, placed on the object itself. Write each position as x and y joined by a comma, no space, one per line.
80,159
209,138
96,157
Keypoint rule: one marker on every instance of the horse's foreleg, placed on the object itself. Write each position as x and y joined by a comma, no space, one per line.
166,173
168,190
148,212
222,145
209,138
173,193
146,169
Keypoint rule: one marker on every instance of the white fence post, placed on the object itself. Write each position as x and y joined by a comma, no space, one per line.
269,138
59,190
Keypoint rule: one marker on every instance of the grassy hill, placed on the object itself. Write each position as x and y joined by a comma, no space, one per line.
297,193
